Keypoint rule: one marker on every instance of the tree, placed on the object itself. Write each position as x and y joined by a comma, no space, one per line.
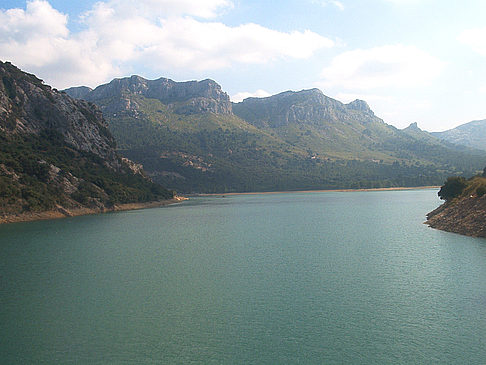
453,187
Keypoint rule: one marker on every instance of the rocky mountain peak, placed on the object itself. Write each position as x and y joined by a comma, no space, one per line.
413,126
302,107
360,105
78,92
189,97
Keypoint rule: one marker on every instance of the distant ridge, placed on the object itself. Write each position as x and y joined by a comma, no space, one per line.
472,134
190,137
189,97
78,92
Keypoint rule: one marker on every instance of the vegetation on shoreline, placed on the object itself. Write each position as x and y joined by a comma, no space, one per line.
30,179
464,210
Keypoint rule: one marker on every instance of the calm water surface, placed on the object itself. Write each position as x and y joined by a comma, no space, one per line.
310,278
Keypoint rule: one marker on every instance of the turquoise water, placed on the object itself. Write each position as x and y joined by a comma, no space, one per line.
309,278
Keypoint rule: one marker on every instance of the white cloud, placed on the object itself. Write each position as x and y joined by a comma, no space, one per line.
188,43
40,16
161,34
184,42
245,94
474,38
40,28
387,66
37,39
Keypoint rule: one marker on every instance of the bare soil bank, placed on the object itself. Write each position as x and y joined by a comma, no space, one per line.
61,212
318,191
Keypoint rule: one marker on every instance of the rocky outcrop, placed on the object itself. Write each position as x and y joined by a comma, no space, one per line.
190,97
414,131
310,107
361,106
27,105
464,211
57,154
465,215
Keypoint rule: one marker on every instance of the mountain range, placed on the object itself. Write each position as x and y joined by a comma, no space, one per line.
84,150
190,137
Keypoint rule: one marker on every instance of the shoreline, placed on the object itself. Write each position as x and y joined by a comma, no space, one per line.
464,216
319,191
61,212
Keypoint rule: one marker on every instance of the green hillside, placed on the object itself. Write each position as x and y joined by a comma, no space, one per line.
293,140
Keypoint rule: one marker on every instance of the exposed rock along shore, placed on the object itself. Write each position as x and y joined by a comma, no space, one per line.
61,212
465,215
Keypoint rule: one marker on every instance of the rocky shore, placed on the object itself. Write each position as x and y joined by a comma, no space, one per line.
465,215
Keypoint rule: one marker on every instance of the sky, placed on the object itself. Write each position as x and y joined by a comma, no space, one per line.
420,61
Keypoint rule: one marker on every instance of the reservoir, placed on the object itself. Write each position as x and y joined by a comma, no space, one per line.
287,278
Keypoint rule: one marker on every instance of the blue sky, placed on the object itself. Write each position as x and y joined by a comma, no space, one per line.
412,60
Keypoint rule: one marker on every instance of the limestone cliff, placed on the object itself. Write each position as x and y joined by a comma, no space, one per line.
186,98
303,107
27,106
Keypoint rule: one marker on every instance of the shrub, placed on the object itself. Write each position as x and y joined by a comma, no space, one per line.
453,187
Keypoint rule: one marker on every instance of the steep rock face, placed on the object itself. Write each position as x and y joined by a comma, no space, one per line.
191,97
360,105
472,134
306,107
57,155
29,106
